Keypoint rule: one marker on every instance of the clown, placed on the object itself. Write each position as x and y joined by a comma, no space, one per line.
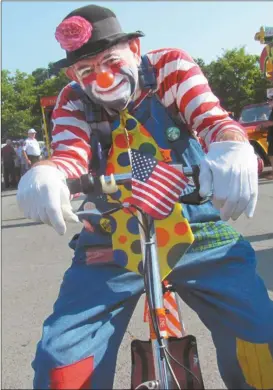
166,105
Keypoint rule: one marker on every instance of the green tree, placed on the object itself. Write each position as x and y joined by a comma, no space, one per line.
236,79
40,75
50,87
18,98
202,64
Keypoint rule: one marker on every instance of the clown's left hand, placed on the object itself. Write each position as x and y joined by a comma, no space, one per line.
230,172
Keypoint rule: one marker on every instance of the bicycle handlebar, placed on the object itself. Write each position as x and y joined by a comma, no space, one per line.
87,184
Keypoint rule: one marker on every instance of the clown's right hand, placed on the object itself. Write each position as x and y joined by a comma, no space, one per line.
43,196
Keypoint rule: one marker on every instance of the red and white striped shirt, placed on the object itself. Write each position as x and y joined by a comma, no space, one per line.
180,83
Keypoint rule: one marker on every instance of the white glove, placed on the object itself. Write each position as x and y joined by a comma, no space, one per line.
44,196
230,172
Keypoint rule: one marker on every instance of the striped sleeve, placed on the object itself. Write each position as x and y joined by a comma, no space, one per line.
182,86
70,134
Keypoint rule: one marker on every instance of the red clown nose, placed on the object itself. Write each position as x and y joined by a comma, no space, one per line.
105,79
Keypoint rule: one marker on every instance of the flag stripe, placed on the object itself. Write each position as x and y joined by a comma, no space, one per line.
160,184
151,205
134,201
161,193
168,181
144,191
180,179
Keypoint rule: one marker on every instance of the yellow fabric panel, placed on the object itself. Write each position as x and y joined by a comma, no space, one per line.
136,137
256,363
174,237
174,234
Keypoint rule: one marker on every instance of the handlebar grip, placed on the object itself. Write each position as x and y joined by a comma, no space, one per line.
85,184
74,185
193,198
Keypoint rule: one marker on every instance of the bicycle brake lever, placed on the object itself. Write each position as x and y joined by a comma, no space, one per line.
96,212
194,198
112,211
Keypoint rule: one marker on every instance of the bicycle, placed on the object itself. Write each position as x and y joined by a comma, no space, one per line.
151,359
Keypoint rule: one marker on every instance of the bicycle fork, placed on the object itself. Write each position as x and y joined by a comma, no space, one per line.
153,287
169,360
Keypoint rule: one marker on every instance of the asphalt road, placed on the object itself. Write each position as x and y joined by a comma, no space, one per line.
34,259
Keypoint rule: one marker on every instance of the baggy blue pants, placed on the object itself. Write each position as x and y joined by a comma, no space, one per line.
81,338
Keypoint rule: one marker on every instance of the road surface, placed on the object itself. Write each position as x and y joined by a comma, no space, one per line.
34,259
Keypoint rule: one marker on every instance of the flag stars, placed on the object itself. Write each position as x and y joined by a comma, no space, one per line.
142,166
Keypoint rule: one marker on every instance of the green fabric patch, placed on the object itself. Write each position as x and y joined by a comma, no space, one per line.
210,235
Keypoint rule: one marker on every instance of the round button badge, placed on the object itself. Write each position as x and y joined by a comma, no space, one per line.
173,133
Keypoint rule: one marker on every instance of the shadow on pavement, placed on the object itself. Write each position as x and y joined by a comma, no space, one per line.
21,225
265,182
259,237
6,195
265,266
13,219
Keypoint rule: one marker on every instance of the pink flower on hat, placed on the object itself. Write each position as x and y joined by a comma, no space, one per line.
73,33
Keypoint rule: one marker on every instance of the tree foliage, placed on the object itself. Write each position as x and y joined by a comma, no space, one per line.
21,95
18,98
234,77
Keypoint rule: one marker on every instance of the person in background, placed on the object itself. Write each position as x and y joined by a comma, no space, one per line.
23,163
31,149
8,155
45,153
17,162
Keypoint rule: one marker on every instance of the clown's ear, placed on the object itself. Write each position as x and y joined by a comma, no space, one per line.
70,73
135,46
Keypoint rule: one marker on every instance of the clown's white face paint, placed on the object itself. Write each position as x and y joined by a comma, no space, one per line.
122,63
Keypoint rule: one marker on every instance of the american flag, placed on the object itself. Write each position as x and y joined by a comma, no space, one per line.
156,186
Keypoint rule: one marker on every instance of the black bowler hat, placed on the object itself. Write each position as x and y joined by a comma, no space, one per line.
106,32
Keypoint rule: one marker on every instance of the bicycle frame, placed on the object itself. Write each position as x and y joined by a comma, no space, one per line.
154,287
164,375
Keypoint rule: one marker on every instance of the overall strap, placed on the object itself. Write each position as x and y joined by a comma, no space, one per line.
148,81
93,111
147,75
99,140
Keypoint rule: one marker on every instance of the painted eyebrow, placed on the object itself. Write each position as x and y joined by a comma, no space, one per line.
105,58
109,56
84,66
